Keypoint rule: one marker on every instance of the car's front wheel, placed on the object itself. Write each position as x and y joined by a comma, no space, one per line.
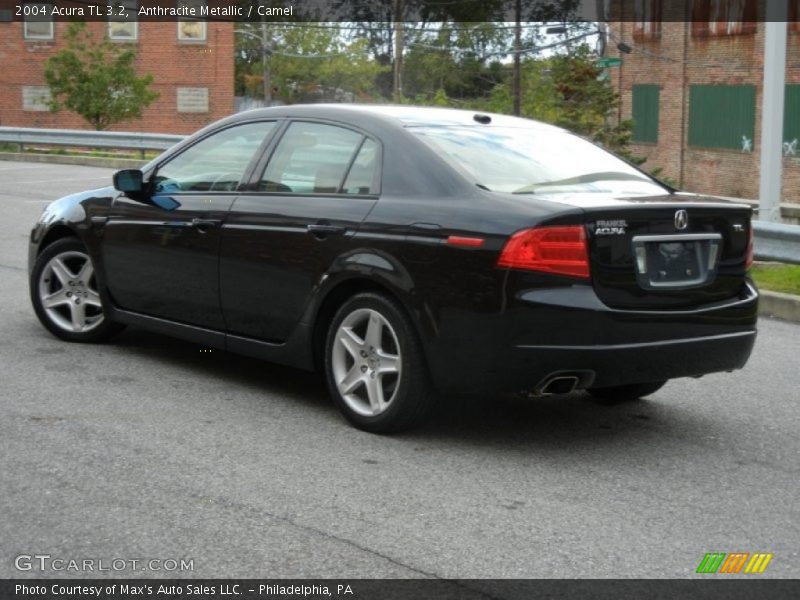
375,367
65,296
625,393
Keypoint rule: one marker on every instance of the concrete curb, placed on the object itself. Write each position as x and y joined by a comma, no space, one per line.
85,161
782,306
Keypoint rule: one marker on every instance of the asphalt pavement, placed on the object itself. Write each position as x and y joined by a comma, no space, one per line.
150,448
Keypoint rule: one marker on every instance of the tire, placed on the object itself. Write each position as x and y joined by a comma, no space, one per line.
625,393
372,352
64,294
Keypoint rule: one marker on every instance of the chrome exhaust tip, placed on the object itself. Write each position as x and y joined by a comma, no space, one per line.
563,383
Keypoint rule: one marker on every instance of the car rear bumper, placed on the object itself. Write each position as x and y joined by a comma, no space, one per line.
602,366
568,332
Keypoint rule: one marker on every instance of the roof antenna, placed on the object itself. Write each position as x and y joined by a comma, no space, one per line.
482,119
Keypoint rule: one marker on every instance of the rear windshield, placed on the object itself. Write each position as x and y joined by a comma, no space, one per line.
535,161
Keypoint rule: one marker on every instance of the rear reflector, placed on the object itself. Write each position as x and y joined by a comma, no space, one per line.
560,250
469,242
748,261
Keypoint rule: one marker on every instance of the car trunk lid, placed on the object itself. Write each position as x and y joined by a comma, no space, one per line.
669,251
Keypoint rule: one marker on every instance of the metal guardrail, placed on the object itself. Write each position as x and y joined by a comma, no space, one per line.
776,241
773,241
88,139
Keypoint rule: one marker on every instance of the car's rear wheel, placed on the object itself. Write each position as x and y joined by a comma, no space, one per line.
626,393
375,367
64,294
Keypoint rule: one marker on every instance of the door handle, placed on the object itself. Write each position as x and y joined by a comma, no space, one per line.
320,230
204,224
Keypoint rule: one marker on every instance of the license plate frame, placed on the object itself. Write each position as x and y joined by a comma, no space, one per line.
678,261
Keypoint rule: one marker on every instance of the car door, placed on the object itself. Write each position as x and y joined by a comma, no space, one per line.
281,236
164,262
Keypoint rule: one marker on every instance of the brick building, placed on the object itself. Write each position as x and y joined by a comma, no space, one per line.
692,81
192,64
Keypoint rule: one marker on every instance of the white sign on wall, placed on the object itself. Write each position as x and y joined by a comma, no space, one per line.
35,97
192,100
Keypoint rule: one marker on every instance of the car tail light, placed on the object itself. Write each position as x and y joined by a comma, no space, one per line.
561,250
748,261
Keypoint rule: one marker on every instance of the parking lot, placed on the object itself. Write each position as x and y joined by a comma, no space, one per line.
153,448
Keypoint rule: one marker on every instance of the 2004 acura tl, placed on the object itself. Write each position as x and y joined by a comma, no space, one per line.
405,250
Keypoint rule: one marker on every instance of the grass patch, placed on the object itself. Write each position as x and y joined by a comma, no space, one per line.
777,277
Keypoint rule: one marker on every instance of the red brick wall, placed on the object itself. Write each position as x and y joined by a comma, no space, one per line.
678,60
172,63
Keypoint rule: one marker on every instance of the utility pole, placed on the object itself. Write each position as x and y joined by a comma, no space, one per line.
397,82
266,44
517,77
769,188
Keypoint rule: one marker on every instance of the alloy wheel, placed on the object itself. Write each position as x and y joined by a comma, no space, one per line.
68,292
366,362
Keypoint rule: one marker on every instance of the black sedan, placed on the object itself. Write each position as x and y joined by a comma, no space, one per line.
404,251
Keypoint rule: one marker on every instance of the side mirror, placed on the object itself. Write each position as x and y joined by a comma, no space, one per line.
129,181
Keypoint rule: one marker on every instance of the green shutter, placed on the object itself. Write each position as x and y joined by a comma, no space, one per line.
645,113
721,115
791,118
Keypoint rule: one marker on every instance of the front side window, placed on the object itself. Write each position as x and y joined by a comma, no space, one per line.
216,163
535,161
313,158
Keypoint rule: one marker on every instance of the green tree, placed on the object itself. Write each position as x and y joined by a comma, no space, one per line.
460,58
97,80
310,63
568,91
588,102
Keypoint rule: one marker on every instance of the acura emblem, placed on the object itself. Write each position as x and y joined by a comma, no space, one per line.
681,219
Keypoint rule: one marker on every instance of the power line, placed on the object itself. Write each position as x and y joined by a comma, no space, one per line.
384,25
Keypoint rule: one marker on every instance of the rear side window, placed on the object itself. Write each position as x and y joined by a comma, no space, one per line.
535,161
216,163
315,158
361,178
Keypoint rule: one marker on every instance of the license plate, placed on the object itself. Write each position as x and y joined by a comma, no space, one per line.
676,261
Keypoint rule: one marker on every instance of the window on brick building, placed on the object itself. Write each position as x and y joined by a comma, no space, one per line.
791,121
722,116
723,17
794,15
645,112
122,22
38,26
647,20
192,30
